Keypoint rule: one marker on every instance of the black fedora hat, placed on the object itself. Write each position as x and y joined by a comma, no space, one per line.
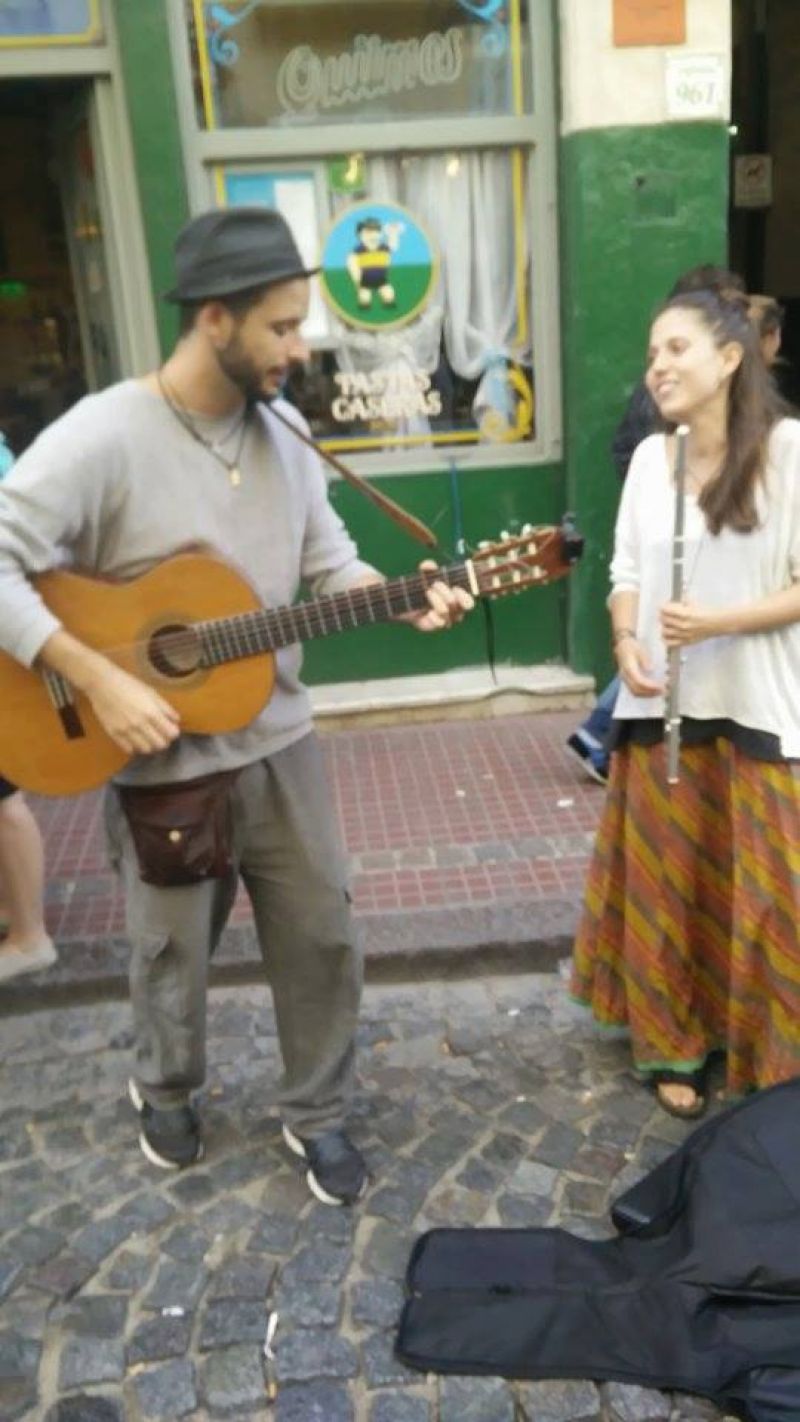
230,249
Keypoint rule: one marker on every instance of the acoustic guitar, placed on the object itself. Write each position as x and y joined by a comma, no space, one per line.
193,628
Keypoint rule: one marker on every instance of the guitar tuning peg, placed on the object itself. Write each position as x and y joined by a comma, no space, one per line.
484,543
504,535
527,528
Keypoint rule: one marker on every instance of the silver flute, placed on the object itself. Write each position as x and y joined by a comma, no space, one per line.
672,718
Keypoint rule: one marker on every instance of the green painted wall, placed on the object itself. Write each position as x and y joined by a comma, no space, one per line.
152,108
529,628
638,207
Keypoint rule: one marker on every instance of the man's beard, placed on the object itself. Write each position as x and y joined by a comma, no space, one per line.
240,371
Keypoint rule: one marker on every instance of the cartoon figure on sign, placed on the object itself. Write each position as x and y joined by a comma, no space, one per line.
378,265
369,262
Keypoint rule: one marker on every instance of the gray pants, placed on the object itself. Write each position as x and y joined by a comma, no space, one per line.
288,853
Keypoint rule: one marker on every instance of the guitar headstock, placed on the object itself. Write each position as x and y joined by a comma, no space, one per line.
536,556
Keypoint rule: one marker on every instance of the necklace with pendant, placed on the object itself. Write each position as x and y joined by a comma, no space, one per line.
231,466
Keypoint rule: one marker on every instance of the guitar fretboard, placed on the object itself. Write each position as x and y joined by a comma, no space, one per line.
250,634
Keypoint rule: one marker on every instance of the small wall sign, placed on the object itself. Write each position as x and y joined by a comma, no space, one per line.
695,86
378,266
640,22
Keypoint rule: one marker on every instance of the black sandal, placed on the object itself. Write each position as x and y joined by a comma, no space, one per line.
695,1080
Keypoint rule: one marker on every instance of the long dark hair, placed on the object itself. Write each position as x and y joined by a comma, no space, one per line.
754,405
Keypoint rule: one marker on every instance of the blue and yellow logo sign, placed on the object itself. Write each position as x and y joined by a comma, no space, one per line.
378,266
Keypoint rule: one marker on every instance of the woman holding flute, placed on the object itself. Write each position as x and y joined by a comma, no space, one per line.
690,933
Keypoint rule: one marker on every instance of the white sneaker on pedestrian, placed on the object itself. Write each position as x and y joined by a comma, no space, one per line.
14,961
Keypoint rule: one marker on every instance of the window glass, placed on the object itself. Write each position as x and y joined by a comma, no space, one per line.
294,62
49,22
421,325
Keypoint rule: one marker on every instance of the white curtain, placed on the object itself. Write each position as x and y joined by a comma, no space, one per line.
465,202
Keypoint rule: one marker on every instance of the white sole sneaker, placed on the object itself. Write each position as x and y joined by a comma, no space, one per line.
297,1148
137,1101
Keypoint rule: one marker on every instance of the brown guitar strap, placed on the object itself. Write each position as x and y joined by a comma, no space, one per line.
398,515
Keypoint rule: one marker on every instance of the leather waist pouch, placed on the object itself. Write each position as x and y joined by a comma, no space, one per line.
182,833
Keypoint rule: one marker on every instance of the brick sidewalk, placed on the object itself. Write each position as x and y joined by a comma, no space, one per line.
454,813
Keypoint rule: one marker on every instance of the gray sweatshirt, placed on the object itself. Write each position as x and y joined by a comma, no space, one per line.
117,484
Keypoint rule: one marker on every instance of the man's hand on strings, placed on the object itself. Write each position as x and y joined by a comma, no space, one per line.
446,606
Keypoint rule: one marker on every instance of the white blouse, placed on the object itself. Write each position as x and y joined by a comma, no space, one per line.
753,679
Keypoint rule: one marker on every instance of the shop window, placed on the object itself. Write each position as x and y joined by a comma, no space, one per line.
52,22
281,63
420,321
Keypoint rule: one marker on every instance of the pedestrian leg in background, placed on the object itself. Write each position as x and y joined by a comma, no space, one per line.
294,870
588,742
26,947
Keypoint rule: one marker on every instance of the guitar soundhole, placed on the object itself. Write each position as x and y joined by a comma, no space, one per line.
175,650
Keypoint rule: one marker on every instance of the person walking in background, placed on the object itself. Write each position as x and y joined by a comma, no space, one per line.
689,932
26,947
199,453
641,418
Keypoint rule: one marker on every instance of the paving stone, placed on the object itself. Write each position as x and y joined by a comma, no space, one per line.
387,1251
94,1316
314,1402
228,1321
399,1407
523,1118
128,1271
559,1145
69,1217
686,1408
274,1234
376,1302
475,1400
19,1357
176,1286
504,1149
146,1211
625,1403
337,1226
228,1215
585,1197
233,1378
10,1271
517,1213
307,1354
193,1189
90,1360
379,1366
85,1407
560,1402
36,1244
319,1260
477,1175
243,1278
530,1177
62,1275
309,1305
159,1338
167,1392
99,1238
395,1204
456,1207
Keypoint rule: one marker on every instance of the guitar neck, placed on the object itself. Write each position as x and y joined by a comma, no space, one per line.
250,634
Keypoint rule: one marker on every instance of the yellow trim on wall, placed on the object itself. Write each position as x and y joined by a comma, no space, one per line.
92,32
220,188
204,63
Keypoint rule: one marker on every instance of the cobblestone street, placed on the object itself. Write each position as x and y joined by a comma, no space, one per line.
126,1293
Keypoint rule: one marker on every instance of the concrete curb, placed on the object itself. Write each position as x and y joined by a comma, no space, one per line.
510,936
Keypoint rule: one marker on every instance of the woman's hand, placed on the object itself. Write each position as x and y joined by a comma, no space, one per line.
684,622
635,668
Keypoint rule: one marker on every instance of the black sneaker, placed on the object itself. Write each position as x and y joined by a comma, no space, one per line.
595,766
170,1138
337,1171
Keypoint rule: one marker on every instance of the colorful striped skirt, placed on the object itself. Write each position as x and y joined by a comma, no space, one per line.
690,933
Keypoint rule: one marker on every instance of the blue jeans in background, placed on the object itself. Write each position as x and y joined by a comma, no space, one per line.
588,741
